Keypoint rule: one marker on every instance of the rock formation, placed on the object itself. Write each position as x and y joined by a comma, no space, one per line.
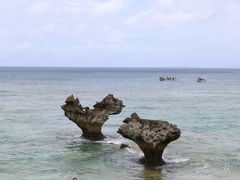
91,120
152,136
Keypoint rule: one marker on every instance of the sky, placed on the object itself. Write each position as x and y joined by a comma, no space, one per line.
120,33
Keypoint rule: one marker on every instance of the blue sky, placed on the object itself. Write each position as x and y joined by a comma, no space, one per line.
120,33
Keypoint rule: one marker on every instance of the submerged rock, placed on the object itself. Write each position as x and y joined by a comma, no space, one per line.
91,120
152,136
123,146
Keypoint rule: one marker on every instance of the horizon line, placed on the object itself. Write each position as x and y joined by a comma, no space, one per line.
120,67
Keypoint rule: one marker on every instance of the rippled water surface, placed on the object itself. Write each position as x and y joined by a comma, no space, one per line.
38,142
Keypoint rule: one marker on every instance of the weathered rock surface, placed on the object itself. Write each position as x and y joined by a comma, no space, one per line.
152,136
91,120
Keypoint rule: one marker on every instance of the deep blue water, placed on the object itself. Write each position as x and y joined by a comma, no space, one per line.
38,142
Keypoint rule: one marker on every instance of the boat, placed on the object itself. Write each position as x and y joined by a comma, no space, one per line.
167,78
162,78
201,79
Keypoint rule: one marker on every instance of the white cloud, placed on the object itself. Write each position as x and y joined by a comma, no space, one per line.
24,46
116,36
170,12
95,8
132,20
232,14
76,6
58,29
165,3
87,26
180,17
45,29
39,8
110,7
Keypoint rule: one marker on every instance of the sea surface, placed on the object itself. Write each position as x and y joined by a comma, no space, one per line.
38,142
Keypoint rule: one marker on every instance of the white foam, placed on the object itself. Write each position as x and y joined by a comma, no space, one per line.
112,141
118,141
131,150
176,161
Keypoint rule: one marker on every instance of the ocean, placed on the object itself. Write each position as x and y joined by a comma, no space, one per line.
38,142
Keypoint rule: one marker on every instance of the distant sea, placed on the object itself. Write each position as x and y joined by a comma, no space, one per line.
38,142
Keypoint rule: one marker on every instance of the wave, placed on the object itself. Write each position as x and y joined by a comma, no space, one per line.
66,134
4,91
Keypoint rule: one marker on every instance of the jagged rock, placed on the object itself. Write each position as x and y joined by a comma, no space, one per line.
91,120
152,136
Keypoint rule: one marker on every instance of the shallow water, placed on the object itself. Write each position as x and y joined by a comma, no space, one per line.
38,142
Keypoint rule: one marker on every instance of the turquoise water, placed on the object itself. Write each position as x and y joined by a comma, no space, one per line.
38,142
